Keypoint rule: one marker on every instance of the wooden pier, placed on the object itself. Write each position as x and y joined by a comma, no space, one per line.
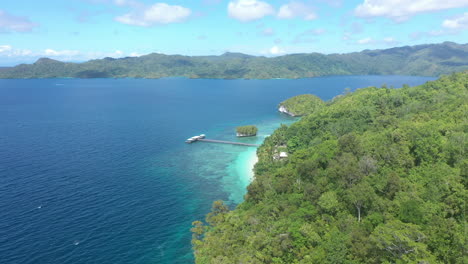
228,142
202,138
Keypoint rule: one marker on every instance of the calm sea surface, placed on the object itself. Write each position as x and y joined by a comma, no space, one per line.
97,171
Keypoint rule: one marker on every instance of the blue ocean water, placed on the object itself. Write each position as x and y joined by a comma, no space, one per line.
97,171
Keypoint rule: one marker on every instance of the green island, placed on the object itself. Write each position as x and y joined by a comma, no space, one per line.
422,60
374,176
301,105
246,131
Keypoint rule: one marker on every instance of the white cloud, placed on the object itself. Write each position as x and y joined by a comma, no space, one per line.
10,52
389,41
296,9
450,26
134,54
365,41
459,22
5,48
9,22
275,50
7,51
59,53
159,13
249,10
99,55
400,10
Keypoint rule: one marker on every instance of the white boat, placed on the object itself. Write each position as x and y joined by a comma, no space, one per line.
195,138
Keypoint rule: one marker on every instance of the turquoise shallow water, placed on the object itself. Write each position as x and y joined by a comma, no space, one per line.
237,161
97,171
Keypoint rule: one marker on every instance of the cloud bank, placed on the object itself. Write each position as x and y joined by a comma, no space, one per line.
400,10
296,9
8,51
457,23
249,10
159,13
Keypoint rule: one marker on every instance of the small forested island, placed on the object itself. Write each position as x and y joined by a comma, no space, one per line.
422,60
374,176
246,131
301,105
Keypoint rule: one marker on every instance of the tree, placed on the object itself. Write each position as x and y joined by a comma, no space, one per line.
217,214
361,196
329,202
368,165
197,233
397,241
411,212
335,247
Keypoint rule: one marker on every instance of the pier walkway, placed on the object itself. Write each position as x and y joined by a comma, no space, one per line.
228,142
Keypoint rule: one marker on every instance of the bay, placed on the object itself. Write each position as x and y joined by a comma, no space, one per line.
97,171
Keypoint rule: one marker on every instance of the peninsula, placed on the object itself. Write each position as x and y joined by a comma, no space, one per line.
375,176
301,105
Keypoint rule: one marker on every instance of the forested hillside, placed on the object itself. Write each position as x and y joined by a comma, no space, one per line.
375,176
301,105
423,60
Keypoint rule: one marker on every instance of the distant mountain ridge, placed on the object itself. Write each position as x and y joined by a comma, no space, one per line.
423,60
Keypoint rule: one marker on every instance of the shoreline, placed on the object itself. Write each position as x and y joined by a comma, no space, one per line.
253,159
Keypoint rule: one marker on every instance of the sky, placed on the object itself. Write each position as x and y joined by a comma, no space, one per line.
80,30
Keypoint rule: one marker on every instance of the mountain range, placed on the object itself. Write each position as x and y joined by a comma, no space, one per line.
422,60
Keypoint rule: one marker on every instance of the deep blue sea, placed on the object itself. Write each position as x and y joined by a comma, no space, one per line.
97,171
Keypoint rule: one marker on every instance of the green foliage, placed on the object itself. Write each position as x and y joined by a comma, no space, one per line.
329,202
247,131
375,176
422,60
217,213
401,243
197,234
302,104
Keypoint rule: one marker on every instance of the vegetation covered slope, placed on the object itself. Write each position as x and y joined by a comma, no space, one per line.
424,60
301,105
376,176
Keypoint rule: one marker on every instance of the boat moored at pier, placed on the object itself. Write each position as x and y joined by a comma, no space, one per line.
202,137
195,138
